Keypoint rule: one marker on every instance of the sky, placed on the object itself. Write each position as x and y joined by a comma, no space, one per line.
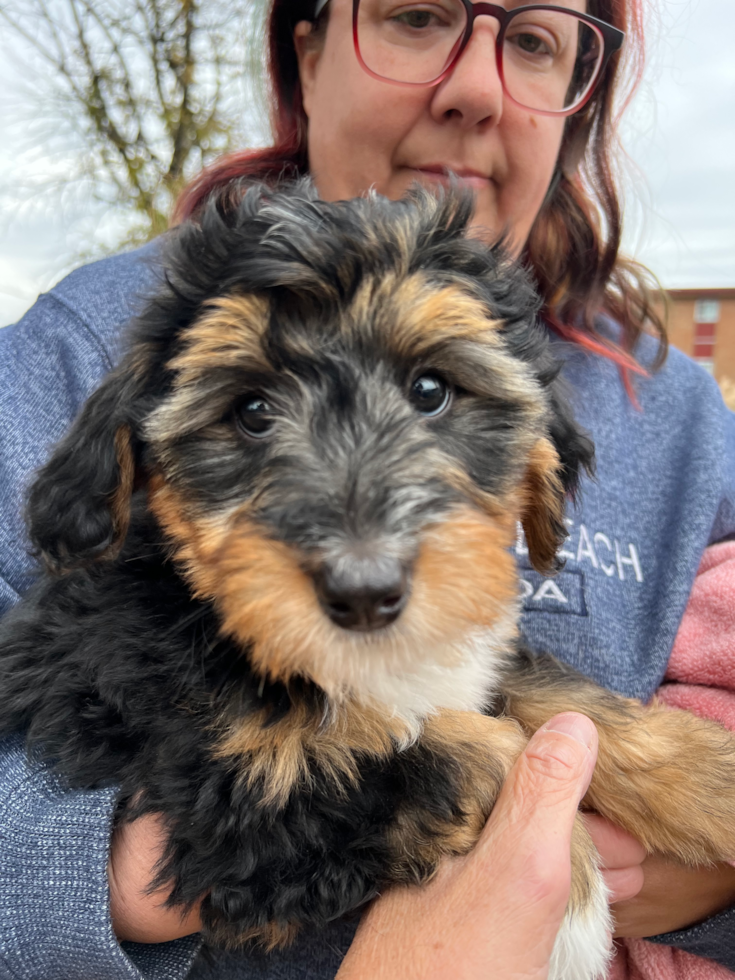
679,135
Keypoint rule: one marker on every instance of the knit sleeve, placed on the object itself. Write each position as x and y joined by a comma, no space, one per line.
54,900
50,362
714,939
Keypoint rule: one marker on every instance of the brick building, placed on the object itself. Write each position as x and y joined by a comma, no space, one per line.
702,324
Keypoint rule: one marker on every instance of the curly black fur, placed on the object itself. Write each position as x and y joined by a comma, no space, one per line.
125,678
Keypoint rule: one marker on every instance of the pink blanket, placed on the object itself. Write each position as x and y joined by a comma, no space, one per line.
700,678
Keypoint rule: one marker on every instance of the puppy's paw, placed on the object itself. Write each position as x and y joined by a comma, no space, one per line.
583,947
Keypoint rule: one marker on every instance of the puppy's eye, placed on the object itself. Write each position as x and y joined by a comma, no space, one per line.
254,416
430,394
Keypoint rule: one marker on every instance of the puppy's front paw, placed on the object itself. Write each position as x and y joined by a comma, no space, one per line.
584,944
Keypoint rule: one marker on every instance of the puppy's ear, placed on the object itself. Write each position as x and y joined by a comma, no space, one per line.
79,505
543,509
554,468
575,449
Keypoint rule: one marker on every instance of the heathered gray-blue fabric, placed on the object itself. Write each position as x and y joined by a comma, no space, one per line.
665,489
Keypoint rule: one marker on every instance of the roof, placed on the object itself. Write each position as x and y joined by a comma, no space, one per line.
711,292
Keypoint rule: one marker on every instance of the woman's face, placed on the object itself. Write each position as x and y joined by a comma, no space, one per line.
367,133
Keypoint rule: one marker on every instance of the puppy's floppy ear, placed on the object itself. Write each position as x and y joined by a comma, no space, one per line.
543,508
574,447
79,504
554,469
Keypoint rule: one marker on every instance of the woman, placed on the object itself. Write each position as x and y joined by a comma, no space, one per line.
666,469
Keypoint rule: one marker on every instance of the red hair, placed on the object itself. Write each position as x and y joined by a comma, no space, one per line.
573,247
288,156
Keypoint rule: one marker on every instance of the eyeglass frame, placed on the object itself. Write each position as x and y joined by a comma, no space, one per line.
612,40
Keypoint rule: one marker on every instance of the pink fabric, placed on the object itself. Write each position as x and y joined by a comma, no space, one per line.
636,959
700,678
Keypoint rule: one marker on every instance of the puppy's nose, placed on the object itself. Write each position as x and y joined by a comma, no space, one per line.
362,593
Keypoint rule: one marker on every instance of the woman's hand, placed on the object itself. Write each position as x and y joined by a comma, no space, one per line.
137,916
652,895
496,911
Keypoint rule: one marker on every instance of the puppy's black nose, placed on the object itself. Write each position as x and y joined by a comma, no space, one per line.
362,593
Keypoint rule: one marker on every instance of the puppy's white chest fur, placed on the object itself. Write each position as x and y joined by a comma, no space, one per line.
464,682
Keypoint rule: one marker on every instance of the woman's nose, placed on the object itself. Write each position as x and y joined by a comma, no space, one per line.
473,92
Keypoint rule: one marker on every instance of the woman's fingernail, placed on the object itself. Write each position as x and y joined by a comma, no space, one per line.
579,727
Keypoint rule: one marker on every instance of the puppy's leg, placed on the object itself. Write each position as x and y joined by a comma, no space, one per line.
453,776
666,776
584,944
406,812
484,749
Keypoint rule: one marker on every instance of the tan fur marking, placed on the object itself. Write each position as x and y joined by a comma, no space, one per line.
272,935
278,758
485,749
542,506
664,775
422,314
229,334
464,580
584,862
464,572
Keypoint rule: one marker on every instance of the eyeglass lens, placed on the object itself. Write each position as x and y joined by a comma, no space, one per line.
550,58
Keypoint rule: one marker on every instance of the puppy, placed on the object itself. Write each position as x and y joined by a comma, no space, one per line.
280,605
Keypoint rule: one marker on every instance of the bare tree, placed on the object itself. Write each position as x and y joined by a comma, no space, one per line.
149,91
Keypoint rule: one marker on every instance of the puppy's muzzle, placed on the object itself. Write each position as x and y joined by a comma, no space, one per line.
362,594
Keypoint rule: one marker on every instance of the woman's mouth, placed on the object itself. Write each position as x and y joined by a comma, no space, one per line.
443,174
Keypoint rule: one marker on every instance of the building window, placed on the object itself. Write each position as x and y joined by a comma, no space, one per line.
706,311
706,315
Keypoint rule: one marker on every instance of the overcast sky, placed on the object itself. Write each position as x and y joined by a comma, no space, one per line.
679,133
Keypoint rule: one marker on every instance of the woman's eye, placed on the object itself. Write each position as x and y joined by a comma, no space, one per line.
533,43
254,416
419,18
415,18
430,394
529,42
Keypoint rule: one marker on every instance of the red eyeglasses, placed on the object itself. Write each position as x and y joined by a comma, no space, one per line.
549,58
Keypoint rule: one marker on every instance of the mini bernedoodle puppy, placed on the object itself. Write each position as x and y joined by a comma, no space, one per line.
280,605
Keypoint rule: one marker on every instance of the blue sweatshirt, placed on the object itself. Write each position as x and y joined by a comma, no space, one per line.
665,489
